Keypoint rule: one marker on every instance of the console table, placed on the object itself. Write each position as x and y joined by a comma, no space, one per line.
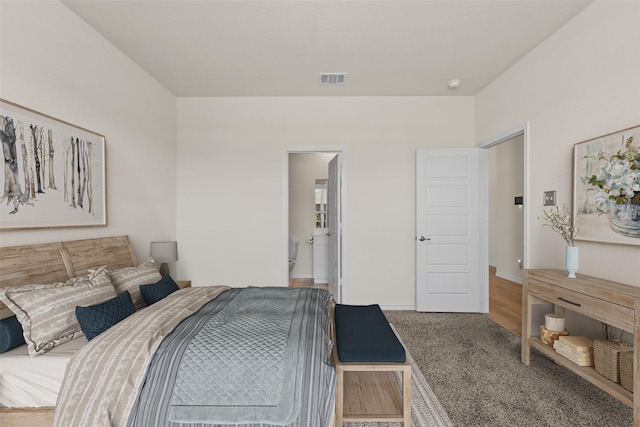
613,303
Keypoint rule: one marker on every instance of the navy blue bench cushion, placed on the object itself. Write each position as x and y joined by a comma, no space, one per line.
363,334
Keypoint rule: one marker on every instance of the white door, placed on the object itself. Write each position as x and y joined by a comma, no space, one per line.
334,222
448,255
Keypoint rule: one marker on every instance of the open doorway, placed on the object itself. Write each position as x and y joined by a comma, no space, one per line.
506,208
508,224
308,177
306,211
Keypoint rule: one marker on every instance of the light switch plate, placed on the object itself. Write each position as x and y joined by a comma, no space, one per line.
549,198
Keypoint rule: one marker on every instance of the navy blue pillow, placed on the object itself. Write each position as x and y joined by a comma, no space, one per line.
10,334
157,291
96,319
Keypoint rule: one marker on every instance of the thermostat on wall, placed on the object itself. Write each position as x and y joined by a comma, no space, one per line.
549,198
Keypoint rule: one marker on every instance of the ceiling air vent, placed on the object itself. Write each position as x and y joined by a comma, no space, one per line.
333,78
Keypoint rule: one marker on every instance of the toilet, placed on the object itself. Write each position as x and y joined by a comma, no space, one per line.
293,252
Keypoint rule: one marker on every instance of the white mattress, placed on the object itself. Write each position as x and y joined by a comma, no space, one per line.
27,381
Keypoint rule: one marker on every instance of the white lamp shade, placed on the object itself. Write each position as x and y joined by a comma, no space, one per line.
164,251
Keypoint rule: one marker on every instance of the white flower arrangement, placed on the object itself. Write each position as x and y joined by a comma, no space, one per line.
562,223
619,178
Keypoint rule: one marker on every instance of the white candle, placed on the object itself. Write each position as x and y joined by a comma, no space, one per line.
554,322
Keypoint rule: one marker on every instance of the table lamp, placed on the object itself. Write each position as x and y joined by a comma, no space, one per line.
164,252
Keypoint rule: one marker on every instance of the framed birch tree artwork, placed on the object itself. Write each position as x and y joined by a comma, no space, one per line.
606,188
54,172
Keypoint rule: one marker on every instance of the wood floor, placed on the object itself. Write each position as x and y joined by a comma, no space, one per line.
307,283
505,300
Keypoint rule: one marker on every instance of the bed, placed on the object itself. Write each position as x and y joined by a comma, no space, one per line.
156,367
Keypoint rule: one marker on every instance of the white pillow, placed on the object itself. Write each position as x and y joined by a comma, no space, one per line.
130,279
48,312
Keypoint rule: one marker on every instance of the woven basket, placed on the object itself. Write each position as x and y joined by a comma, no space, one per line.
548,337
626,369
606,357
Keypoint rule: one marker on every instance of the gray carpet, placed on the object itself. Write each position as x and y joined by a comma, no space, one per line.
473,367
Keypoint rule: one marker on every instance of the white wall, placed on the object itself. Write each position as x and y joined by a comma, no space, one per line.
580,83
56,64
304,169
230,179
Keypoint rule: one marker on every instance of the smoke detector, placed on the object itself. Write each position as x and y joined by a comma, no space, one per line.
454,84
333,79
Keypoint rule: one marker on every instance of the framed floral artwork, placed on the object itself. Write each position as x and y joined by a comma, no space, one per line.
54,172
606,188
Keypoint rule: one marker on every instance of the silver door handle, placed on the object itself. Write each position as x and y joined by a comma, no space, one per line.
422,238
329,234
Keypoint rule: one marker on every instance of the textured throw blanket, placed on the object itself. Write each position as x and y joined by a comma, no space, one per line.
242,366
153,373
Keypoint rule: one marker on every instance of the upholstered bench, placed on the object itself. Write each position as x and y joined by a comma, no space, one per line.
366,353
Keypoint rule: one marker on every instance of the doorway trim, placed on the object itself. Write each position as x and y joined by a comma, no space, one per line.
488,143
342,152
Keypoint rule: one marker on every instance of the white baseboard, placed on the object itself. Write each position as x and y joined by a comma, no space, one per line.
509,278
300,276
398,307
493,264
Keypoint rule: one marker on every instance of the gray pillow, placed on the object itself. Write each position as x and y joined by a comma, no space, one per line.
48,312
130,279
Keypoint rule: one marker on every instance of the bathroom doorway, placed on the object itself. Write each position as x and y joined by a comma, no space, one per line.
306,218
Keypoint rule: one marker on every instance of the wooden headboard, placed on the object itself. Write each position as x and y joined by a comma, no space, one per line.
60,261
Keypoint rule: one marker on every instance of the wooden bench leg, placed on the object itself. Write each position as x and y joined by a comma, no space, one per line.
356,388
339,396
406,396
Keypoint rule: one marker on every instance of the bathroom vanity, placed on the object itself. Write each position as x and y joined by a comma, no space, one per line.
320,255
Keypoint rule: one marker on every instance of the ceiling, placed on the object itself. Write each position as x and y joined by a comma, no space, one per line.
277,48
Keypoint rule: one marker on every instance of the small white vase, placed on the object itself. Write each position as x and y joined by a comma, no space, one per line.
572,260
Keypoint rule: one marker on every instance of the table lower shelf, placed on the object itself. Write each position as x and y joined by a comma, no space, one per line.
587,372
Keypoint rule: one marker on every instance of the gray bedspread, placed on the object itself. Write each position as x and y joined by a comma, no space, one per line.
251,357
242,366
122,377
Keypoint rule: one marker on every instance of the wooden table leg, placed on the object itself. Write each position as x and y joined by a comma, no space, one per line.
636,367
525,347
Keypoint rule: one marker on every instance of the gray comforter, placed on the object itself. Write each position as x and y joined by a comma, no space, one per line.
250,357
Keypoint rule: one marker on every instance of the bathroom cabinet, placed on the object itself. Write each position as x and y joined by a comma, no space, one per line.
320,256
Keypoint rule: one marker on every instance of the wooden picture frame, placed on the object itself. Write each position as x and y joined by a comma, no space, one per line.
54,172
601,215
